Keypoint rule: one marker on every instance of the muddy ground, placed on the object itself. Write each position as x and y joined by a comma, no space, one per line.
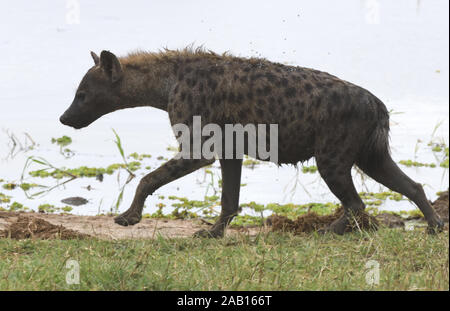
45,226
25,225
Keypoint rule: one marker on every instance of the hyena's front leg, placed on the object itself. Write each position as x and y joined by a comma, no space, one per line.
231,183
169,171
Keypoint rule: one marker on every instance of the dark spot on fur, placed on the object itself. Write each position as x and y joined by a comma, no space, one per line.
239,98
318,102
308,87
220,70
267,89
255,77
189,101
259,112
243,114
203,99
231,97
290,92
270,76
336,98
212,84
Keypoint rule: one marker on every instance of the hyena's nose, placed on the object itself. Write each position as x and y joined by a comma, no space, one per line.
63,119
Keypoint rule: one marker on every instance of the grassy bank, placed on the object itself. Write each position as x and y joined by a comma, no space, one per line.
408,260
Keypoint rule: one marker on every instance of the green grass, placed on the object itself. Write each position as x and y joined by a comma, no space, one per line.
408,260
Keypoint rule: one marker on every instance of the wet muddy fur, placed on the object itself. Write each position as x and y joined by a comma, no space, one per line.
318,115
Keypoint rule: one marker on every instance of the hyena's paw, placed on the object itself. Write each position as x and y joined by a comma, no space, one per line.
128,218
435,228
203,233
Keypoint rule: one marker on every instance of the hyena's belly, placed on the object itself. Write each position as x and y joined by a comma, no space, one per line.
296,143
293,143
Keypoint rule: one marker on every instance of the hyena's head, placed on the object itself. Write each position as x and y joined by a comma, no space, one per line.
98,92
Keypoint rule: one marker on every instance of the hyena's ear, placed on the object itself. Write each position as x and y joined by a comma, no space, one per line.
111,65
95,58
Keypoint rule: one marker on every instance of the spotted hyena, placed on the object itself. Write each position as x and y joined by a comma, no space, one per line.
318,115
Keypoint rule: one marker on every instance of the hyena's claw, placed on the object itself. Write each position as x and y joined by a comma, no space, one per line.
208,234
127,219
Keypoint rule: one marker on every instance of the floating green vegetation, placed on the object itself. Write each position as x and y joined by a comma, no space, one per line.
410,163
62,141
4,198
139,157
377,198
309,169
17,207
292,210
183,208
437,148
24,186
27,186
247,220
9,186
84,171
172,148
50,209
444,162
440,149
251,163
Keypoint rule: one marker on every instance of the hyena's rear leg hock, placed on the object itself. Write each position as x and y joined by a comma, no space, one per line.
337,176
231,183
389,174
169,171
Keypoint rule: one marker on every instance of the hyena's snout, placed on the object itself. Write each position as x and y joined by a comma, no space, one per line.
64,119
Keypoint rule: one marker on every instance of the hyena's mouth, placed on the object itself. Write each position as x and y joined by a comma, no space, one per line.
76,125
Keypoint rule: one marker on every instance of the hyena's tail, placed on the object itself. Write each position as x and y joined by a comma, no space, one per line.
376,149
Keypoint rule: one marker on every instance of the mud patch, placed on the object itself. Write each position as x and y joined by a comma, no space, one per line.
441,206
390,220
311,222
103,227
26,227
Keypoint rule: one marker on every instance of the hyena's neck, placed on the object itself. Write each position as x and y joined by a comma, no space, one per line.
147,82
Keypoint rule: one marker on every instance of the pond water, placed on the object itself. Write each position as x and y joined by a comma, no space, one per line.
398,50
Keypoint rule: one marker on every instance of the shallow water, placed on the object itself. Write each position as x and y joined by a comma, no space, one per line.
396,49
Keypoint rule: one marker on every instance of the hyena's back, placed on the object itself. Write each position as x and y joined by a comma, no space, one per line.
316,113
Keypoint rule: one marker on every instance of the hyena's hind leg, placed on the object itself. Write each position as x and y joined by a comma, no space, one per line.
231,183
386,172
169,171
337,176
